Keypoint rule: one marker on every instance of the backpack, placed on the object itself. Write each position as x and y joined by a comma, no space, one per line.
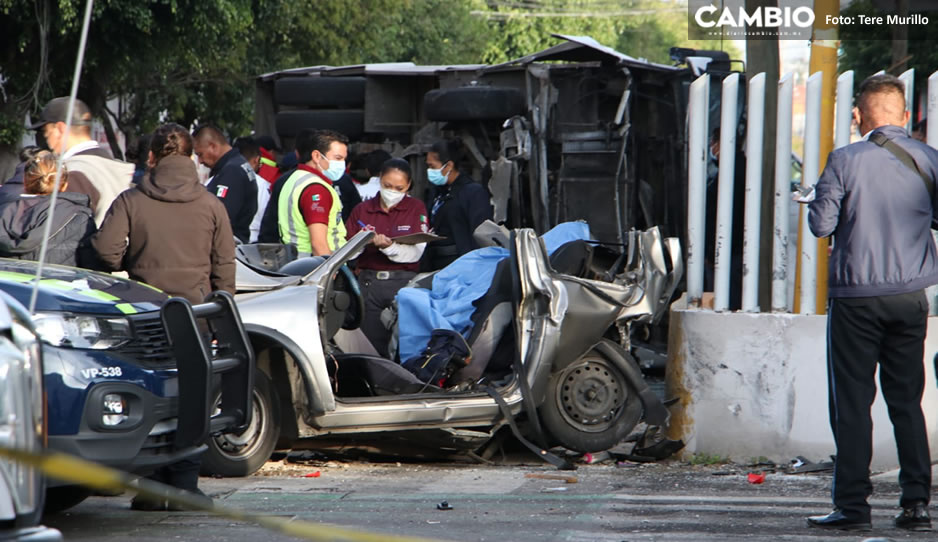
446,352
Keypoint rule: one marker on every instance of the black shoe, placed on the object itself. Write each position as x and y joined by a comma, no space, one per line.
914,517
144,504
837,520
196,495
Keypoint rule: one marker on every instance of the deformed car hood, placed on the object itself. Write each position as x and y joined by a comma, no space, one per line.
72,289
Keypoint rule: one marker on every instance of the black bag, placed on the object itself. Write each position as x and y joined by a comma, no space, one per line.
446,353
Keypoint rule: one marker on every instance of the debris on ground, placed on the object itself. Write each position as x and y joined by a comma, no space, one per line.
562,477
756,477
305,457
801,465
597,457
444,506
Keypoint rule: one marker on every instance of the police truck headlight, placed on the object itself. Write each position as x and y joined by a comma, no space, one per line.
113,409
79,331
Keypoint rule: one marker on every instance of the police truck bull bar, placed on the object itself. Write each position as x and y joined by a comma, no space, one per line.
210,347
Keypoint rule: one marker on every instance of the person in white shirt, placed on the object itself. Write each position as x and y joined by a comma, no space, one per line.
373,162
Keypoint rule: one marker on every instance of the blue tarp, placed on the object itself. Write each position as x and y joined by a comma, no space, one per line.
448,305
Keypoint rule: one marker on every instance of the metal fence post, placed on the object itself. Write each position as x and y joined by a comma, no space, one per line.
697,123
908,79
933,110
782,194
844,115
753,208
809,176
725,188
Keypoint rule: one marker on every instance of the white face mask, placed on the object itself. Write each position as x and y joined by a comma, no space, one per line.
391,197
336,170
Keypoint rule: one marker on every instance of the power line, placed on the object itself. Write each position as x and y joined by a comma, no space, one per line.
626,13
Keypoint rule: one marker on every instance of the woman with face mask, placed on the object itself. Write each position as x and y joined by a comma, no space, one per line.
459,205
385,266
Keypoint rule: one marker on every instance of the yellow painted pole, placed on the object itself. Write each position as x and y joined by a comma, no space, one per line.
823,59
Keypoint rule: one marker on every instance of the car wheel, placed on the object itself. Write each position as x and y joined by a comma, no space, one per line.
61,498
349,122
590,406
472,103
321,92
242,454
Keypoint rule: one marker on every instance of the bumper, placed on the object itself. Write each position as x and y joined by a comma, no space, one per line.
140,444
167,413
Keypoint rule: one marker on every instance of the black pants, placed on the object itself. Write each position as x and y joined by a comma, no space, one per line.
861,332
182,474
378,294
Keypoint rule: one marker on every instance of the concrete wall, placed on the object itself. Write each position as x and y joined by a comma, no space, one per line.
754,385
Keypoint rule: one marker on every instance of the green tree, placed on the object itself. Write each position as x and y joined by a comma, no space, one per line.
865,49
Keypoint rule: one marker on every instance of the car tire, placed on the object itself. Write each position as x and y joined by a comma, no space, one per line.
320,92
472,103
590,405
236,455
349,122
62,498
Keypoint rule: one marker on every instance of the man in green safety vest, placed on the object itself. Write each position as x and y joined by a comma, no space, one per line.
309,211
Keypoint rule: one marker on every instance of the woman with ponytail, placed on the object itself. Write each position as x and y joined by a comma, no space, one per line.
23,220
168,231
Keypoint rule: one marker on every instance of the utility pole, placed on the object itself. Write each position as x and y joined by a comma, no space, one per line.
762,56
824,44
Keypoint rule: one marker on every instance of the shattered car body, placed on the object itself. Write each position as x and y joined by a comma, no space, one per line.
545,326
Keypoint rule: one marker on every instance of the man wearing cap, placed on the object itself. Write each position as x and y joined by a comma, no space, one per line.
98,174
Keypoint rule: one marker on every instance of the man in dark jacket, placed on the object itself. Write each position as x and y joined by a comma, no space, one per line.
876,197
270,229
232,179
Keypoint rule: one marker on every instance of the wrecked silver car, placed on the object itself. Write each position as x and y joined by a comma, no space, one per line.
537,340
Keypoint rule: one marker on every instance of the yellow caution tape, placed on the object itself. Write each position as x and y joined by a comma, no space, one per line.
78,471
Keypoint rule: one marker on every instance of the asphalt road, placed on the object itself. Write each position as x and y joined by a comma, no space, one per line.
670,501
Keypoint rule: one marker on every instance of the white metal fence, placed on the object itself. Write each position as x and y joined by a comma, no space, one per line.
698,131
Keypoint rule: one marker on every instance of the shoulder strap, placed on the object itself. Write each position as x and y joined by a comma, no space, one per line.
906,159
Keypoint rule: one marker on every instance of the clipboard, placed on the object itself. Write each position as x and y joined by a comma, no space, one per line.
416,238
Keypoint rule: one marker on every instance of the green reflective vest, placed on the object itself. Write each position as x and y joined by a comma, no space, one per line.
293,228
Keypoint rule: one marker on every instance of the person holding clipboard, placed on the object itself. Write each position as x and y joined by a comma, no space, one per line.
393,258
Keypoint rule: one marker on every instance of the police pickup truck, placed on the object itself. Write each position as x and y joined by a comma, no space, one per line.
134,379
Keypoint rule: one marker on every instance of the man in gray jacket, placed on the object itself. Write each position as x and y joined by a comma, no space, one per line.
82,155
876,197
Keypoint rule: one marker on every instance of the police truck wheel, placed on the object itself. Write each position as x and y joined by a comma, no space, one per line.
590,405
244,453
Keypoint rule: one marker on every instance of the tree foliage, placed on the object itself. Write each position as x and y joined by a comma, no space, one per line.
196,60
865,49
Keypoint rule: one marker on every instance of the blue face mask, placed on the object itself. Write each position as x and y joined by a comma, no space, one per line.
336,170
435,176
